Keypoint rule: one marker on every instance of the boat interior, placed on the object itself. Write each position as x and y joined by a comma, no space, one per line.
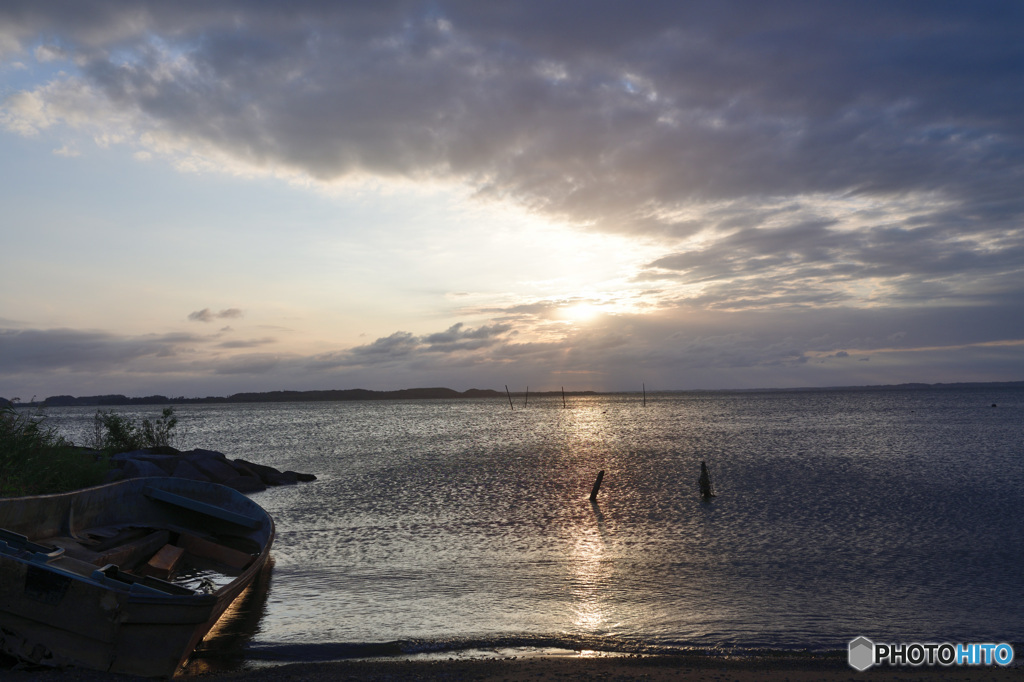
190,548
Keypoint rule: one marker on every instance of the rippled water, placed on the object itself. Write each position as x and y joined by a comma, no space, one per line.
448,524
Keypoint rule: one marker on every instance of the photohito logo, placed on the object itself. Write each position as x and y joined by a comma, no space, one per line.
864,653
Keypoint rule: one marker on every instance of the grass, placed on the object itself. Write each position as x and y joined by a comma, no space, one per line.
35,460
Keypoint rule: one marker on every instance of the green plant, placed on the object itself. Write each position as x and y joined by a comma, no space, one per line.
115,433
35,459
161,432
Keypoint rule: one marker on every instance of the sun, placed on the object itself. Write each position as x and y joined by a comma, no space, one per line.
581,312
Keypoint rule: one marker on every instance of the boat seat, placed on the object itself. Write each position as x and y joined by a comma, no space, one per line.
202,508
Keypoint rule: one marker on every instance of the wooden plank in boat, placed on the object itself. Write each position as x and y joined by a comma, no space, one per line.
164,562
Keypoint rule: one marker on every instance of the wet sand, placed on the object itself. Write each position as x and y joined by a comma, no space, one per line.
791,669
648,668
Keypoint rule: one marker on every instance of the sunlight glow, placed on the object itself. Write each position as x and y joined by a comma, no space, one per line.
581,312
588,578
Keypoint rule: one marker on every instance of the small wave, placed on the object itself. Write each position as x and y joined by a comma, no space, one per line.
497,646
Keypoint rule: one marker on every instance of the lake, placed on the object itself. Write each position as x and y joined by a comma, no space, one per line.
453,525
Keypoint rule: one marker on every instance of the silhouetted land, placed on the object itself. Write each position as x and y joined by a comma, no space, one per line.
274,397
442,393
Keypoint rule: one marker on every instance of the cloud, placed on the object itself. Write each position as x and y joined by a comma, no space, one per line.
619,120
808,155
459,338
83,351
246,343
853,167
206,315
50,53
404,347
672,348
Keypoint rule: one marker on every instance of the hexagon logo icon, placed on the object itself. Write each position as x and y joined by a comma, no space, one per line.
862,654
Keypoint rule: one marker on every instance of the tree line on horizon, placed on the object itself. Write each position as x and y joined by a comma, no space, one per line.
117,399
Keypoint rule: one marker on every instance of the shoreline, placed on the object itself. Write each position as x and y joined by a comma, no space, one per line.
655,668
569,666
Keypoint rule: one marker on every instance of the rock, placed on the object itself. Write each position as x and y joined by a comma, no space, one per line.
288,478
137,468
242,468
113,476
165,462
245,484
203,465
216,469
185,470
199,454
122,457
268,475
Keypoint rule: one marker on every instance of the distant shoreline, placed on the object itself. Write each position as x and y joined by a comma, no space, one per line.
343,395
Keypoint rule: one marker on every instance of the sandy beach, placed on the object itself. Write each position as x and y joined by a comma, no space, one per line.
790,669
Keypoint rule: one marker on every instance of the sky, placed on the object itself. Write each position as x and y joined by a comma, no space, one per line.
205,198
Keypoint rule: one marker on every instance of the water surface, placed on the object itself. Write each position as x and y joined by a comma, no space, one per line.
454,524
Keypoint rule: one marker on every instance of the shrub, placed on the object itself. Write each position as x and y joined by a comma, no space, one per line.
115,433
161,432
35,460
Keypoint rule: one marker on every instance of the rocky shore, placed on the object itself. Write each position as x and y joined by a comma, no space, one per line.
200,465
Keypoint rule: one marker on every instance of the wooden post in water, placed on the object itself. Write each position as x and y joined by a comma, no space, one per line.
597,486
509,398
563,396
527,401
645,393
706,490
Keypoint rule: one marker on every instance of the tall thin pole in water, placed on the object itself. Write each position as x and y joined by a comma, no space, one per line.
563,396
509,398
527,401
645,394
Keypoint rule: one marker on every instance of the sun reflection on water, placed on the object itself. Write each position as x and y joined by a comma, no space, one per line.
589,575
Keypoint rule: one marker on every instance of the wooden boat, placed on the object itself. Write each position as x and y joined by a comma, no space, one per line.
126,577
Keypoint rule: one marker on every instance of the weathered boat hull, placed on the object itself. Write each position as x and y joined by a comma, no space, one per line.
62,604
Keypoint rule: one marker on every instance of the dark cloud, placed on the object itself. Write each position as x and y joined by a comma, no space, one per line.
574,107
405,347
246,343
83,351
458,338
813,262
207,315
